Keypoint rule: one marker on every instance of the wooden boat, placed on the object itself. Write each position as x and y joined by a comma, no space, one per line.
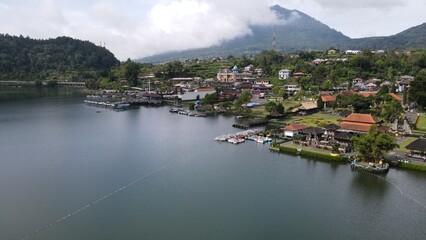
370,168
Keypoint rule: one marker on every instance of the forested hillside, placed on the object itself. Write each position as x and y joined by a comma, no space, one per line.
23,58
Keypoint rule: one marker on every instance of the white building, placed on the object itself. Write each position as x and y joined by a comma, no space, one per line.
284,74
200,93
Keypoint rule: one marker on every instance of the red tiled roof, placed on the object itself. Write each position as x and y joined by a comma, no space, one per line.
359,127
396,97
328,98
205,89
361,118
348,92
295,127
366,94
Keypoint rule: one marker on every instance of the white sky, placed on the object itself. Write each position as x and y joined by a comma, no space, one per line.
138,28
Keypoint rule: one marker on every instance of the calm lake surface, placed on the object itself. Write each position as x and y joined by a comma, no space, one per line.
150,174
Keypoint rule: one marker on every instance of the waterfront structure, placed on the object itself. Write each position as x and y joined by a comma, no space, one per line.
358,122
284,74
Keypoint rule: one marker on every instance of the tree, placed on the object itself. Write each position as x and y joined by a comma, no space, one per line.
244,97
131,72
210,99
417,90
320,103
280,108
270,106
373,146
391,110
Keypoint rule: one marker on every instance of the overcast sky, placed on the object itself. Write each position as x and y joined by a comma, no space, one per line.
138,28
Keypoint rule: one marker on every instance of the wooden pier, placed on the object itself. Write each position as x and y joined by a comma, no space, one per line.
251,123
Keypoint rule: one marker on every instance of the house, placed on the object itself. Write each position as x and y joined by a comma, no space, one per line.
284,74
318,61
299,74
357,81
403,83
226,75
352,52
307,107
293,129
292,89
328,100
198,93
313,135
332,51
261,81
358,122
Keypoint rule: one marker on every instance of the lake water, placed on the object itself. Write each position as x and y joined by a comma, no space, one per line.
70,172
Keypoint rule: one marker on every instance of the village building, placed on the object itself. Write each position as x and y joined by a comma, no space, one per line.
352,52
417,149
299,74
403,83
328,100
292,89
305,108
293,129
197,94
226,75
284,74
358,122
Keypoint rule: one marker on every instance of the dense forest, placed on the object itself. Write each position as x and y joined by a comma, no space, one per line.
23,58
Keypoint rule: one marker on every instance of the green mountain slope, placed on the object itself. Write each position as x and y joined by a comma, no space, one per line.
24,58
297,31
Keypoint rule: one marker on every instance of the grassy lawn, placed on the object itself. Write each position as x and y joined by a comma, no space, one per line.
259,112
404,143
317,119
308,148
421,124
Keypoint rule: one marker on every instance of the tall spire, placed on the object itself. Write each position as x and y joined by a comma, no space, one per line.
274,41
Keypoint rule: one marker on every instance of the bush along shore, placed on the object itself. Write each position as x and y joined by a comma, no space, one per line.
325,157
309,154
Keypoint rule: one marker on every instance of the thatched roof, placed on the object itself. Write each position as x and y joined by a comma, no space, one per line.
417,145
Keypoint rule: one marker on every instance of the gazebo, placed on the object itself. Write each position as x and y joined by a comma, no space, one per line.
418,148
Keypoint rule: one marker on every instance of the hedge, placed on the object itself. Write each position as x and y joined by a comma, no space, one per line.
322,156
309,154
412,166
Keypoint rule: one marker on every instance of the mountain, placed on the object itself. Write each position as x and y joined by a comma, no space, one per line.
414,37
24,58
297,31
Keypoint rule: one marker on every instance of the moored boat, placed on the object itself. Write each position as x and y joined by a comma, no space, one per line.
370,167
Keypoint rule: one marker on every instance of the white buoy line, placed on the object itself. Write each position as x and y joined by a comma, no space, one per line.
400,191
30,235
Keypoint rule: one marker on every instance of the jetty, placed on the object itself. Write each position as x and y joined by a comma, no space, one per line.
250,123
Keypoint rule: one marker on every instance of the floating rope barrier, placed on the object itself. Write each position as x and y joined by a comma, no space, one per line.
44,228
399,189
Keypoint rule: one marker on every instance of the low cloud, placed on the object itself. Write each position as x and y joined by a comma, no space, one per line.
167,25
361,4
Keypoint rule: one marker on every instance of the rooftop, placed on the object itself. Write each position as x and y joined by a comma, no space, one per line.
328,98
417,145
359,127
295,127
361,118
